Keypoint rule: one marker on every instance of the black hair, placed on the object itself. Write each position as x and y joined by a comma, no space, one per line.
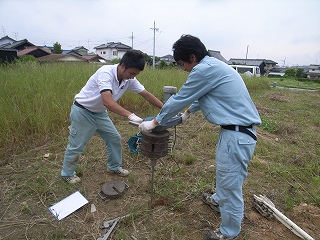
133,59
187,45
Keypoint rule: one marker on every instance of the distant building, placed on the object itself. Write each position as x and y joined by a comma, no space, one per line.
95,58
17,45
167,59
33,51
217,55
264,65
7,55
6,40
62,58
313,71
9,48
277,71
112,50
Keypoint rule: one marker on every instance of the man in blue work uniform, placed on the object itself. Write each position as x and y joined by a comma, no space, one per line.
219,91
89,113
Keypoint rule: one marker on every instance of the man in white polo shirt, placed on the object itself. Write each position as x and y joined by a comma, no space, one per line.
89,113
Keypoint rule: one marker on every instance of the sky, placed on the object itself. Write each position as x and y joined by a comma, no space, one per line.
284,31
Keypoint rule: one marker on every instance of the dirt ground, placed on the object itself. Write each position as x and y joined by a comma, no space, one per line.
31,184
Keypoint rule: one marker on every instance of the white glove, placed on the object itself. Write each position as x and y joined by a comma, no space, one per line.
135,118
147,126
185,116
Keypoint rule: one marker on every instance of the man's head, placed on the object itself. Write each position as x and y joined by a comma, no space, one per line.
131,64
133,59
189,49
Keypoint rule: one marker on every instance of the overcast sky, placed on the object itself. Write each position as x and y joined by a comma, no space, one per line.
285,31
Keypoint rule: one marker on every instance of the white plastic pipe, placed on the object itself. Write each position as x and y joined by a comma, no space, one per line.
282,218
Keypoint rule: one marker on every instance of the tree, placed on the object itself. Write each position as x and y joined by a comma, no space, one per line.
290,72
57,48
148,59
299,72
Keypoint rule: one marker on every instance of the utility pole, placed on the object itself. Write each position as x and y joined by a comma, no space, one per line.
154,43
247,54
132,40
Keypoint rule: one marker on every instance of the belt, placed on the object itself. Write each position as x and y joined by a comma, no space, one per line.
243,129
80,106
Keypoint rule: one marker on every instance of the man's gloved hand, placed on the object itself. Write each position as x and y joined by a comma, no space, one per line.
135,118
185,116
147,126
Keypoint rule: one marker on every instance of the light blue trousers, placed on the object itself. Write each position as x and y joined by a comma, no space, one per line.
234,151
83,125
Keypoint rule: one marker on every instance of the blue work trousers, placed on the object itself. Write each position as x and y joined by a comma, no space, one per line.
83,125
234,151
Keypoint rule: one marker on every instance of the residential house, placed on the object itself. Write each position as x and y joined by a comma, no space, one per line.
264,65
9,48
95,58
277,71
80,50
62,58
18,45
6,40
47,48
167,59
313,71
33,51
7,55
112,50
217,55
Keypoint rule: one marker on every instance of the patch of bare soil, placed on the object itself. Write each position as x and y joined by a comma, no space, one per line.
277,96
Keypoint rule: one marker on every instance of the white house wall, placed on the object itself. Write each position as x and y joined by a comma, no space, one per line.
108,53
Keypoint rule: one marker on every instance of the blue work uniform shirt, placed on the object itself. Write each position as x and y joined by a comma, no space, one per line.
218,90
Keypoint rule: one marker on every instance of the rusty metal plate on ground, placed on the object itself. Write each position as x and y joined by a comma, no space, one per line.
113,189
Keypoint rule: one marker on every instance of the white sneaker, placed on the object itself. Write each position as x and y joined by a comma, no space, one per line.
73,179
121,172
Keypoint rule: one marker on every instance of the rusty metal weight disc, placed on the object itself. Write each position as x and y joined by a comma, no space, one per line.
112,189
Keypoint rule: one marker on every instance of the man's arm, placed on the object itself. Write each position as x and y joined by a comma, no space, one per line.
151,98
112,105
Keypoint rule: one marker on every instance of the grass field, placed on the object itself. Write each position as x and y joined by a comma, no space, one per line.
35,102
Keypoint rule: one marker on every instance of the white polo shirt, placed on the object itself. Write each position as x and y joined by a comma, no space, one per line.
105,78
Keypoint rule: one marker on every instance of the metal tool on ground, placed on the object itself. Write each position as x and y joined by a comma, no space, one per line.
110,224
267,209
112,189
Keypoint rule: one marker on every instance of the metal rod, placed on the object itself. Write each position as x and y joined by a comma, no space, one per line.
153,164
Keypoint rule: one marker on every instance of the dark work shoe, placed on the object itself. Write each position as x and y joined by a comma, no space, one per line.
207,199
216,235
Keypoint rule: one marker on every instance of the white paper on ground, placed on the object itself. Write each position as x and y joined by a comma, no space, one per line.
68,205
